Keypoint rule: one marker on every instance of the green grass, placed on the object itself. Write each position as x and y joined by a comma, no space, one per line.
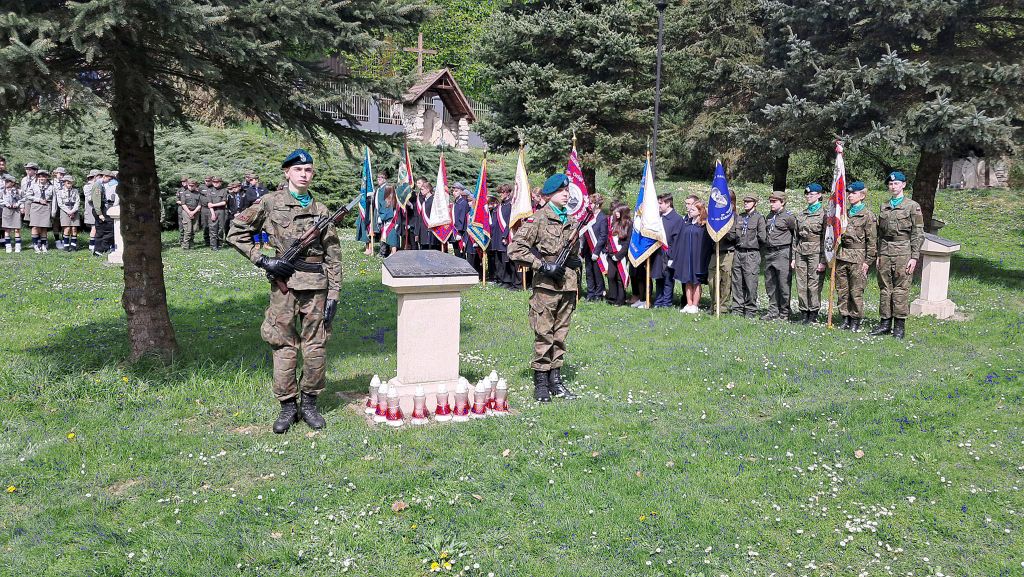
700,446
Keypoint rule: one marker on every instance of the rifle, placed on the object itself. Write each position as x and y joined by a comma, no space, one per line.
294,252
570,243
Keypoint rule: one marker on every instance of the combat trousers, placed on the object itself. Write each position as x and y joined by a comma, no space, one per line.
745,270
550,314
778,278
188,231
808,282
725,286
893,286
279,331
850,285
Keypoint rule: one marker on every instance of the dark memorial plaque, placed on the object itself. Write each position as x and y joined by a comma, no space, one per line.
426,263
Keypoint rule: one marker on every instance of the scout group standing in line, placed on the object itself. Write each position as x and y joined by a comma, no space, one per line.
210,207
50,202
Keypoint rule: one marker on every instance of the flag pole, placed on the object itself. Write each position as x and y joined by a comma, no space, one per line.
369,225
647,267
718,282
522,269
483,259
831,289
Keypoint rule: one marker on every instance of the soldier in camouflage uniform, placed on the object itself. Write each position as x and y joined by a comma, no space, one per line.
856,252
809,255
311,297
900,235
778,256
536,245
750,237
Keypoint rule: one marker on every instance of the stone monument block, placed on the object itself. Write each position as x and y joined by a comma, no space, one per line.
936,253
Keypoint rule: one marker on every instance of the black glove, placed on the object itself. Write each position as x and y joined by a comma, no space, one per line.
329,310
277,267
573,261
553,270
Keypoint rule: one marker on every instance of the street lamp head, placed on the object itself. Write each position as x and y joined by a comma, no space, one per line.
661,5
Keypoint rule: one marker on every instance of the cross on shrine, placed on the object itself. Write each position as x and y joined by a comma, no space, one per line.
420,51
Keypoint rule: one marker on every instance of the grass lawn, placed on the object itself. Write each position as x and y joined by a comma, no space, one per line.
700,446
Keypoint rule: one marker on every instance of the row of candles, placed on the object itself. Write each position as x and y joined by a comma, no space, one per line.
489,398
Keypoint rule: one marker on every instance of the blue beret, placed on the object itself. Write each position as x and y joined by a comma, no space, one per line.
814,187
856,185
298,156
554,183
896,175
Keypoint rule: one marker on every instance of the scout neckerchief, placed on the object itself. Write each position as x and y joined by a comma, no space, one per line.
814,208
303,200
896,202
771,221
561,213
855,209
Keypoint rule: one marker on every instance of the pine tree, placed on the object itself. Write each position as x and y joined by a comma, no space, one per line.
571,65
147,60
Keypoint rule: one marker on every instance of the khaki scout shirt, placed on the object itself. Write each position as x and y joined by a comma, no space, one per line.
857,243
546,234
214,196
750,230
810,233
285,220
781,229
900,229
190,199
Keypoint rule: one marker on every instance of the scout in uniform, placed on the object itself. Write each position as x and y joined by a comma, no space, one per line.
856,253
781,240
88,210
57,183
10,198
750,237
103,197
809,256
37,202
181,211
312,297
215,203
191,207
69,205
900,235
536,245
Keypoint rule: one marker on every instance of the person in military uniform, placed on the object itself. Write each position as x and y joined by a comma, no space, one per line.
204,216
536,245
900,235
857,248
236,202
780,225
215,202
181,211
750,237
104,196
311,299
723,276
191,206
69,203
809,254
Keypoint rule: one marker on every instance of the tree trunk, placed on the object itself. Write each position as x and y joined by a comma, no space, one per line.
150,332
926,180
780,170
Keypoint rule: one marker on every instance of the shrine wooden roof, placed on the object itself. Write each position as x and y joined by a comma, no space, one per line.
443,83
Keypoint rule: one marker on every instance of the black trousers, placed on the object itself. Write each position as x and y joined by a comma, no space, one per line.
616,293
104,235
595,278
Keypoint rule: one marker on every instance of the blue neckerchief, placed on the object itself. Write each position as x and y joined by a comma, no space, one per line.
896,202
304,200
855,209
814,208
561,213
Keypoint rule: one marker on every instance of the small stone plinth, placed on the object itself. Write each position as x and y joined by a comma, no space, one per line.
429,286
936,253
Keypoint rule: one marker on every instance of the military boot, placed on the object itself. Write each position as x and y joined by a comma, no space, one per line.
557,385
812,317
884,328
805,318
309,412
847,323
900,330
855,326
541,392
289,414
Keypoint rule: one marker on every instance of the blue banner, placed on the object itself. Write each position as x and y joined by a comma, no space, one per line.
720,205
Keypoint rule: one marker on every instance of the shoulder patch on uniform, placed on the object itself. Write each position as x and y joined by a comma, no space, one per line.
528,219
243,216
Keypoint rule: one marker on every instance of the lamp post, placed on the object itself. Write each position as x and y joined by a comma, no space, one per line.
660,5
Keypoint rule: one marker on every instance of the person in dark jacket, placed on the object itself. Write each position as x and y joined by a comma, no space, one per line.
662,265
595,240
620,228
691,255
460,212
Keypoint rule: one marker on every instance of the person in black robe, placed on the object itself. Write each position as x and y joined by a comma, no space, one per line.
691,254
460,212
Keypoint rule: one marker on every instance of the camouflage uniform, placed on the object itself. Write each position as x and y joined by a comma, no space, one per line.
285,220
900,235
809,253
779,250
553,301
856,246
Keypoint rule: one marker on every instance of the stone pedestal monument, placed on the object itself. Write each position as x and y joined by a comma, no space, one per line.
429,286
936,253
116,255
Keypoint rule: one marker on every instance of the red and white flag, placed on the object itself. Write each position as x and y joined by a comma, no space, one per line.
579,196
836,217
439,221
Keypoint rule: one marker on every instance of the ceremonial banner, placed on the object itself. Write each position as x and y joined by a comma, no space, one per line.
404,186
720,205
835,215
479,219
591,238
366,186
648,229
522,202
439,221
579,197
